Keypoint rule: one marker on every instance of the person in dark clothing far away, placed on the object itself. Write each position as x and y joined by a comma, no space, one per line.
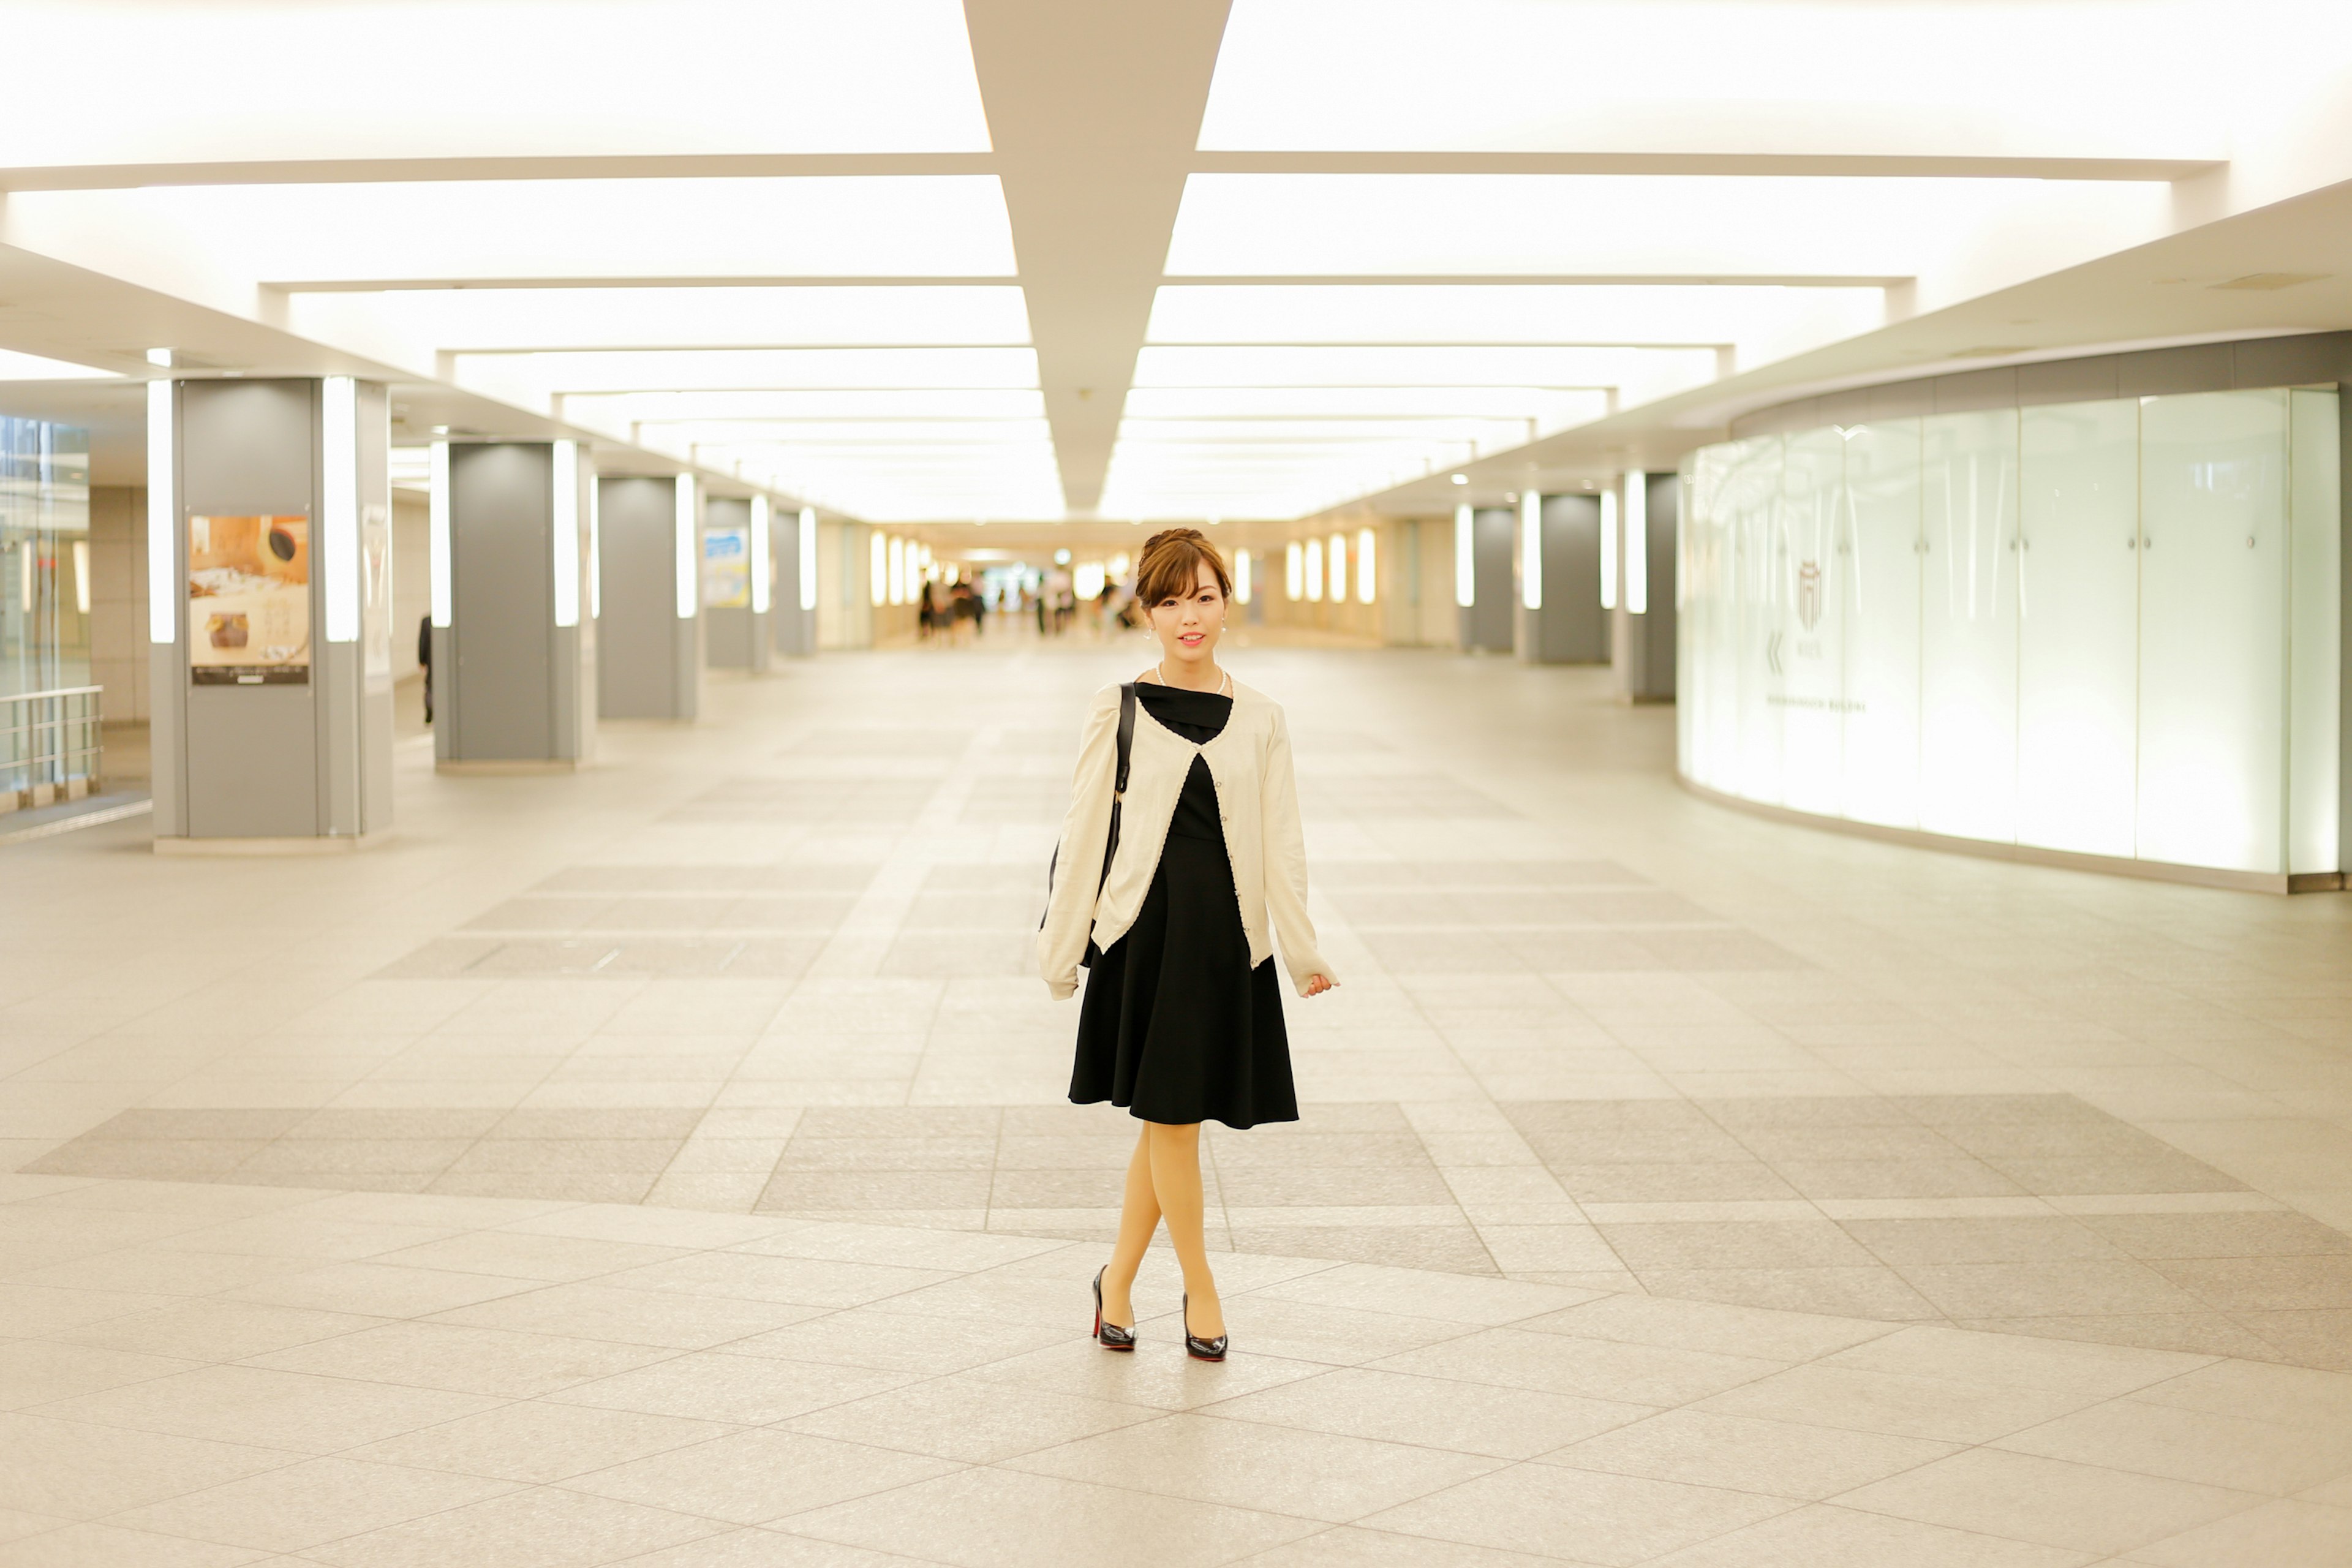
425,658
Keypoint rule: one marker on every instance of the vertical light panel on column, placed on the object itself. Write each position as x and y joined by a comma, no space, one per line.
1465,567
1314,570
437,515
1531,550
687,587
566,533
1637,543
1241,577
1294,571
163,589
1338,568
762,589
596,553
808,557
339,450
1609,549
1367,574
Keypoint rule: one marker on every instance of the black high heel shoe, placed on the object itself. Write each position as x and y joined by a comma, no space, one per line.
1112,1336
1195,1346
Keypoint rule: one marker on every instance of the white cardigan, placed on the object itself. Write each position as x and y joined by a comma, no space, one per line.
1257,803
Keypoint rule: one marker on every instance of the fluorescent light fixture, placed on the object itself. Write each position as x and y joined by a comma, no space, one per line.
744,77
689,530
877,570
1466,566
1609,549
1622,314
1338,568
81,575
1531,550
613,371
437,531
1846,228
1637,549
1461,479
898,571
1367,577
518,321
1294,571
564,530
595,549
1241,577
1087,581
160,358
808,557
339,448
1408,365
330,235
164,588
762,589
1314,570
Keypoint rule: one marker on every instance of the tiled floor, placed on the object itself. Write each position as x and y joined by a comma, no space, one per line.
669,1164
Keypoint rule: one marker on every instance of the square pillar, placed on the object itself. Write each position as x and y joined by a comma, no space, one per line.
269,614
1641,626
1561,622
792,613
1483,537
736,586
514,634
651,630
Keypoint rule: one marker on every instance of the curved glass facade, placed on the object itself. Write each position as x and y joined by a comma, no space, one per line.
2107,628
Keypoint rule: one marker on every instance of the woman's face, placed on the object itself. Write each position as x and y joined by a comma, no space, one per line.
1188,628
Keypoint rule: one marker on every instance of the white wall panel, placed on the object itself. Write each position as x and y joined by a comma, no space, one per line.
2078,625
2212,642
2315,658
1968,671
1808,641
1880,595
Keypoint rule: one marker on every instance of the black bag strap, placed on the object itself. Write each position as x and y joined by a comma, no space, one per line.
1118,794
1118,784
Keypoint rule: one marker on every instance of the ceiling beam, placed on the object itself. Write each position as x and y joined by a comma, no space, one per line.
1094,110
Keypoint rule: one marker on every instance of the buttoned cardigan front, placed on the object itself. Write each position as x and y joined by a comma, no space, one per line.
1257,804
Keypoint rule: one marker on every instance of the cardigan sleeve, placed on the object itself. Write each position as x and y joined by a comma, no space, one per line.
1286,863
1078,854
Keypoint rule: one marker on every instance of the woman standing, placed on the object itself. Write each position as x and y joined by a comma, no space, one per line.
1182,1018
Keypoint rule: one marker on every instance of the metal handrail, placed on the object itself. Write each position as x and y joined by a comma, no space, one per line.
50,744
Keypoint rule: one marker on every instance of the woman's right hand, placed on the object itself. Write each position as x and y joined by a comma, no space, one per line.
1318,984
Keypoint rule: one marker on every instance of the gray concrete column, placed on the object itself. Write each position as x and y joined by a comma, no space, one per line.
1642,627
269,521
1486,623
514,639
735,582
792,613
1568,626
652,627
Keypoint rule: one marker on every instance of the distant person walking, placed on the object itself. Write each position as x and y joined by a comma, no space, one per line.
425,661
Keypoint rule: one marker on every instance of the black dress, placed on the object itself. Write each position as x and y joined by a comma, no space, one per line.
1176,1025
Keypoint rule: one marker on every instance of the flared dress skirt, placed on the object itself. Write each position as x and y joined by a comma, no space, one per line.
1176,1025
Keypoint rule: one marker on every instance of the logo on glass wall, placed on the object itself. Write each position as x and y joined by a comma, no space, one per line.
1809,594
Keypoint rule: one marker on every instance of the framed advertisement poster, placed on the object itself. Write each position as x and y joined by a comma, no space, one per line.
249,600
727,568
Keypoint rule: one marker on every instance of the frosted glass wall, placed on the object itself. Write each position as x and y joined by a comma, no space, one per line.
2107,628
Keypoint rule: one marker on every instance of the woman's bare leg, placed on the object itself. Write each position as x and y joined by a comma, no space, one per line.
1138,1216
1176,1182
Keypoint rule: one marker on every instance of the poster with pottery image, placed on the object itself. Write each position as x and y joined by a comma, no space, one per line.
249,600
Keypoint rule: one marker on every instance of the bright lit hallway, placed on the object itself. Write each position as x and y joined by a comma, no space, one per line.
1803,547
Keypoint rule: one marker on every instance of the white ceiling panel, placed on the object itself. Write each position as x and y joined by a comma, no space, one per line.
1885,78
891,402
1255,365
1547,406
1701,226
497,79
1504,313
512,320
753,369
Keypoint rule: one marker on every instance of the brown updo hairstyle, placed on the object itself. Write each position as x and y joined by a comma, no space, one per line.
1170,567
